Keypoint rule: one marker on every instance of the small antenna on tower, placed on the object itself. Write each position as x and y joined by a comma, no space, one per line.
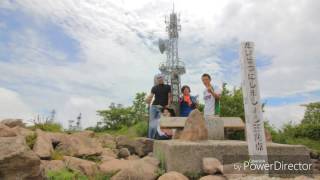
172,6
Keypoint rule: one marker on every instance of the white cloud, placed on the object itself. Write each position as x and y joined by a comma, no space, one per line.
119,54
279,115
13,106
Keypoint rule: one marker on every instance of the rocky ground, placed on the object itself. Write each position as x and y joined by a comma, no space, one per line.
27,154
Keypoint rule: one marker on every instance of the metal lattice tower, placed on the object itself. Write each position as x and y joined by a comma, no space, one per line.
172,68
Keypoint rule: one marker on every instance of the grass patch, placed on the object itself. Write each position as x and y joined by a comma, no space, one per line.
57,155
310,143
31,140
68,174
162,166
140,129
50,127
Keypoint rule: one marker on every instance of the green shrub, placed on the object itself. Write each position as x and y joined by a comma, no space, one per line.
311,131
31,139
304,134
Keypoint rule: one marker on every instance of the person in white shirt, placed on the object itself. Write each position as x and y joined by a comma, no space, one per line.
211,94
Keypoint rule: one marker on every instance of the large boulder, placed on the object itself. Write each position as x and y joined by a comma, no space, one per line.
113,166
213,177
53,165
17,161
140,146
78,144
107,155
143,146
22,131
43,145
86,133
172,175
13,122
133,157
88,168
131,169
5,131
195,127
211,166
143,169
107,141
123,153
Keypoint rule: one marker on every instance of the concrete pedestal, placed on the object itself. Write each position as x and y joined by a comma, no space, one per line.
186,156
215,129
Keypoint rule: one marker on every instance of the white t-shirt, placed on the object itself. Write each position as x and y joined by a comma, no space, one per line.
209,101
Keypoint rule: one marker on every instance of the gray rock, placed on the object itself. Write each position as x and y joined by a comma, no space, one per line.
172,175
123,153
5,131
53,165
76,144
212,177
195,127
22,131
86,167
140,146
107,140
43,145
13,122
211,166
17,161
141,169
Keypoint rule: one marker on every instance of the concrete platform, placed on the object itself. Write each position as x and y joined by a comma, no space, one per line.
186,156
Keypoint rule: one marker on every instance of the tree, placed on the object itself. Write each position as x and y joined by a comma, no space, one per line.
139,107
118,116
231,103
312,114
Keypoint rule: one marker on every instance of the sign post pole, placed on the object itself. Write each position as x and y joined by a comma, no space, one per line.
252,105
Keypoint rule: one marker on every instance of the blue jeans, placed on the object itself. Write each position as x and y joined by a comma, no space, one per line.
154,118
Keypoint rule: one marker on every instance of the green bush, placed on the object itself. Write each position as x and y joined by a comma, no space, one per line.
304,134
311,131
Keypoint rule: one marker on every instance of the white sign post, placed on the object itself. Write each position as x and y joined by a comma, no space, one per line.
252,105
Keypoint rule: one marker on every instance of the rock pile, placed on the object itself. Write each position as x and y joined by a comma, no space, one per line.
82,152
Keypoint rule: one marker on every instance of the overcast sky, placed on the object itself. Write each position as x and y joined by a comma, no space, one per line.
79,56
